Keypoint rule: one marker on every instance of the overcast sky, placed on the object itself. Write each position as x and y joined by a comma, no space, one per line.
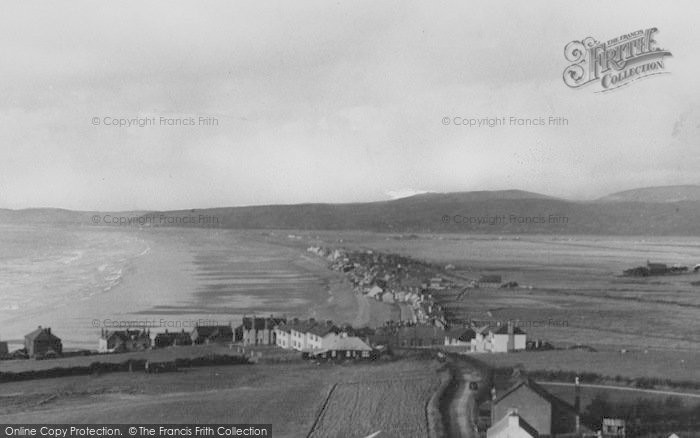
331,101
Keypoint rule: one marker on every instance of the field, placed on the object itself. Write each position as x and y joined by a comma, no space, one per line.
290,395
662,364
397,407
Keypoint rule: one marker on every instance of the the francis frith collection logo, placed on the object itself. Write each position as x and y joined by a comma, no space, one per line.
614,63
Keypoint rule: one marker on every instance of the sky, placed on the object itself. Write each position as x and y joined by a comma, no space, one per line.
318,101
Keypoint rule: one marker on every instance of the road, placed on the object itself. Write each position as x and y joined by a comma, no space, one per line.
463,407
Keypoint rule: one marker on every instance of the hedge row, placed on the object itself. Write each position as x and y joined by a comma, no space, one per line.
128,365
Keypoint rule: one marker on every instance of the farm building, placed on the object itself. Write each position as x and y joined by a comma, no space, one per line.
460,337
508,338
546,413
169,339
258,330
657,268
209,334
121,341
344,347
512,426
42,343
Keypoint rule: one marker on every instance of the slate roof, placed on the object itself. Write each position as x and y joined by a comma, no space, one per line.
539,390
461,334
214,330
41,333
345,343
261,323
503,330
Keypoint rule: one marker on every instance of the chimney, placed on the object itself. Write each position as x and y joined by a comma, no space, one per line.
577,403
511,337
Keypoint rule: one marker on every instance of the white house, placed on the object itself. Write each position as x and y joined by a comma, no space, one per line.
283,336
511,426
508,338
319,336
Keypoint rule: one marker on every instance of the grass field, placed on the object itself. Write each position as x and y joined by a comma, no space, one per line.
677,366
396,407
288,395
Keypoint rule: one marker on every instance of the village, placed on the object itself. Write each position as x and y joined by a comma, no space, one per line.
524,409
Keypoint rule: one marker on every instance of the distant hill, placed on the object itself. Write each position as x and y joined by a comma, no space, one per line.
661,212
656,194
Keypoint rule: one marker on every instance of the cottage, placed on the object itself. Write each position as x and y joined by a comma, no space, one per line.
208,334
613,428
42,343
546,413
512,426
344,347
657,268
297,334
460,337
121,341
258,330
283,334
508,338
169,339
320,335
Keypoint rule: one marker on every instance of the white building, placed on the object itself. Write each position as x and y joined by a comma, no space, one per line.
508,338
511,426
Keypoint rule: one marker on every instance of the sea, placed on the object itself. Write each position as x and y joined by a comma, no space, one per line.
80,280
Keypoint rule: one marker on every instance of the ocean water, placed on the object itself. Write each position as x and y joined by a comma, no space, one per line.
78,280
45,269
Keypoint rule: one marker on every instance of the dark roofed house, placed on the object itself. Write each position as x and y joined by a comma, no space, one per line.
208,334
258,330
657,268
344,347
546,413
120,341
42,343
168,339
460,337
